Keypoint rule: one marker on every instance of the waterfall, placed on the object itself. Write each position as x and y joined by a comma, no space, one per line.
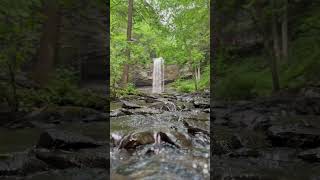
158,75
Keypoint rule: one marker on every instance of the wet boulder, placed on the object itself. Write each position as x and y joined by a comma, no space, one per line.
131,141
164,106
57,139
116,113
250,119
129,105
311,155
279,154
302,137
185,98
245,152
163,137
142,111
224,140
70,173
194,130
180,139
89,158
201,103
20,164
310,105
206,110
156,105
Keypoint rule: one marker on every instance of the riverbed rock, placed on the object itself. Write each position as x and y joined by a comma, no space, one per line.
307,105
62,114
89,158
276,138
116,113
262,169
302,137
245,152
250,119
69,173
142,111
131,141
201,103
129,105
185,98
311,155
194,130
175,139
20,164
57,139
164,105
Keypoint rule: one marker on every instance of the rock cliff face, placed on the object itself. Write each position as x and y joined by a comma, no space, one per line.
142,76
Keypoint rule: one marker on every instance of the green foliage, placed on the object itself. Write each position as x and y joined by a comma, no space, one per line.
247,74
129,90
61,90
304,66
235,86
251,77
167,29
188,86
185,86
17,22
205,79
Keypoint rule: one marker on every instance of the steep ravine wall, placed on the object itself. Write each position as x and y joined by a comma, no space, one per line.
142,76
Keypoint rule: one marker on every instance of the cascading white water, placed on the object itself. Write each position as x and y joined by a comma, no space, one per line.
158,75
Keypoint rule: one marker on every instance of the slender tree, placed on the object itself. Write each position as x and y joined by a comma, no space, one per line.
125,76
276,50
284,31
48,42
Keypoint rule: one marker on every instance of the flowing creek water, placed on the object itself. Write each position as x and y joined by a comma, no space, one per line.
160,137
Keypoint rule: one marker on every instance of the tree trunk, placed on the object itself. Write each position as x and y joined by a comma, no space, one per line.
13,100
276,51
199,73
48,42
215,30
125,75
284,31
195,79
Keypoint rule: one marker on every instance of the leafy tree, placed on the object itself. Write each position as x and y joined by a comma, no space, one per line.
17,24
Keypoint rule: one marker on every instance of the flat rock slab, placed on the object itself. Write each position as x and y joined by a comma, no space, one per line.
57,139
90,158
294,136
129,105
20,164
311,155
70,173
201,103
142,111
116,113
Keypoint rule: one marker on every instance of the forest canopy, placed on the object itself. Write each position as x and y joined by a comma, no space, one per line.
177,31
